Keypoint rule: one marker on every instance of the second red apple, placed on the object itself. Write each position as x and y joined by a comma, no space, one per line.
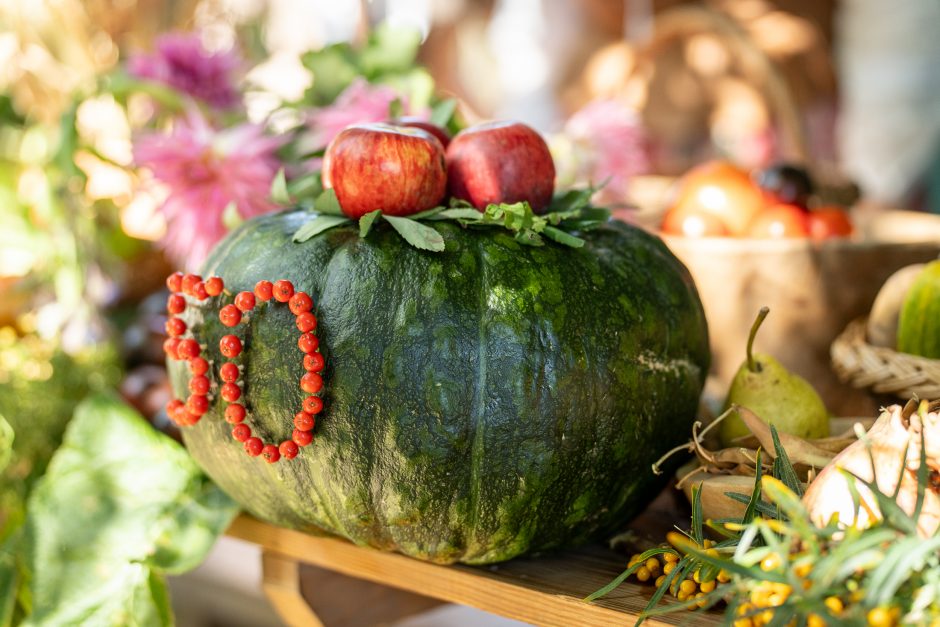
500,162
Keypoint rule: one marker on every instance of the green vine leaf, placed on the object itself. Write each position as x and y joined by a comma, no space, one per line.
231,218
443,112
461,214
328,204
318,225
417,234
366,221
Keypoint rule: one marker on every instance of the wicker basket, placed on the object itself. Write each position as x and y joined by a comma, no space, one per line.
883,370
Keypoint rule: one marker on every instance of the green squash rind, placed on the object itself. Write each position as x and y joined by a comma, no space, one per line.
919,323
491,400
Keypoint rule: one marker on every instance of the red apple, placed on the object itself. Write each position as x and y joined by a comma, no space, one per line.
693,223
378,166
500,162
424,125
722,190
779,221
827,222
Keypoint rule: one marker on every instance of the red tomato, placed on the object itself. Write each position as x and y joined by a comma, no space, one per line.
779,221
722,190
827,222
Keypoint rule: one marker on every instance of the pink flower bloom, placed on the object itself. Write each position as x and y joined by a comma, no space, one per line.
609,145
360,103
204,171
181,61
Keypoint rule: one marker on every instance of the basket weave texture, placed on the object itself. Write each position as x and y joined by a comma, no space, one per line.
883,370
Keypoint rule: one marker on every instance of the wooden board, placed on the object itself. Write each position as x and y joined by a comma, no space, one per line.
542,591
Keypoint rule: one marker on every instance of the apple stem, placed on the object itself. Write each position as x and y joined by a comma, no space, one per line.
752,365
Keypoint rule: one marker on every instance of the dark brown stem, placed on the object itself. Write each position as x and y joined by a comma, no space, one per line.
752,365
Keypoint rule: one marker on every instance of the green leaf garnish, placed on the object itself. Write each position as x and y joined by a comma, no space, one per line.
328,204
443,112
417,234
318,225
231,219
395,109
366,221
279,193
561,237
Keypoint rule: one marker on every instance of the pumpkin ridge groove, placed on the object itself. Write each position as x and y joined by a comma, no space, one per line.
478,415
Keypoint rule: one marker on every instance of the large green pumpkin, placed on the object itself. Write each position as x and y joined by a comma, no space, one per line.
483,402
919,322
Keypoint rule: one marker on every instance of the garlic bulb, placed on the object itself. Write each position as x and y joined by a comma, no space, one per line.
895,442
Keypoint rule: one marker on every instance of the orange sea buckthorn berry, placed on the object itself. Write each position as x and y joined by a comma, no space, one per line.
170,347
175,327
264,290
175,304
198,366
230,392
283,290
313,405
214,286
304,421
229,372
254,446
289,449
188,348
189,281
306,322
245,301
230,346
199,385
308,342
302,438
174,282
300,303
199,291
314,362
311,383
241,432
197,404
230,315
270,453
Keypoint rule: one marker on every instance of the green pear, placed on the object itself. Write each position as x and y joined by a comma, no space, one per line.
781,398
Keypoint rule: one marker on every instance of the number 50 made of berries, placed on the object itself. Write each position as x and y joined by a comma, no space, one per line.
182,346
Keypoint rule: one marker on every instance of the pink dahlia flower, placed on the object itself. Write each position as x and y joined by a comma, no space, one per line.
360,103
204,171
181,61
610,145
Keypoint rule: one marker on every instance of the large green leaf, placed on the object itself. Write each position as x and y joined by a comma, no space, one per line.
119,505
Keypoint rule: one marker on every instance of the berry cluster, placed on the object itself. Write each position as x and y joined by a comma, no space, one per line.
230,372
181,348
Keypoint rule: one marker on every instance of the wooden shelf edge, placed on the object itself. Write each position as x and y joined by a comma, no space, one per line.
474,586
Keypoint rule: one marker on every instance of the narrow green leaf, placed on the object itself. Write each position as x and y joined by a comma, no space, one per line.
6,443
751,510
366,221
698,533
782,468
677,574
443,111
460,213
231,218
328,204
279,193
318,225
417,234
529,238
762,507
563,238
571,200
922,475
619,579
428,214
902,559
